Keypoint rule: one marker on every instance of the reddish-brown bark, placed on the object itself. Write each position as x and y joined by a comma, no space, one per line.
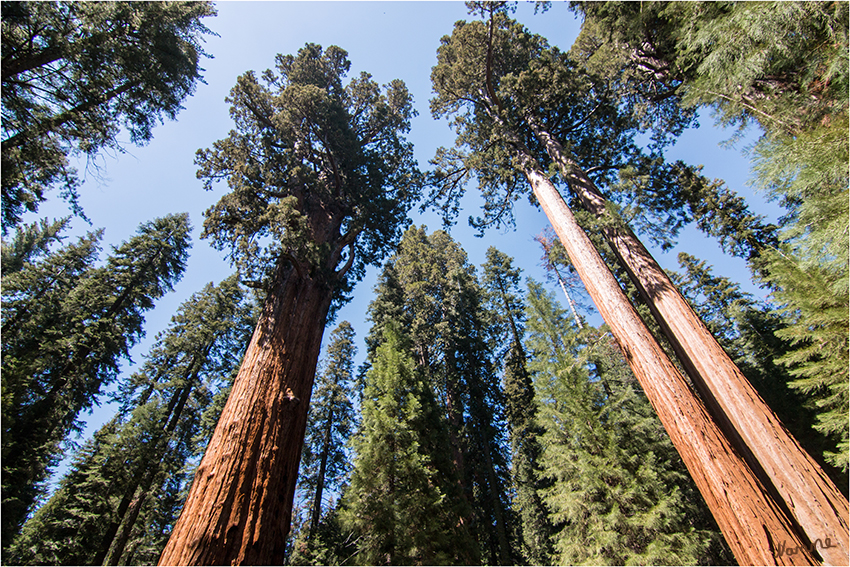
754,527
812,500
239,508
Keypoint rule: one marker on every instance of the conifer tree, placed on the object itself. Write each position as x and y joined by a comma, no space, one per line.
75,74
324,463
139,454
30,242
64,339
403,502
501,280
783,66
432,287
619,493
321,180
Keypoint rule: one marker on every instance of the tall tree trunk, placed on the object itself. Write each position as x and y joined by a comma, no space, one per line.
320,482
239,508
753,525
812,499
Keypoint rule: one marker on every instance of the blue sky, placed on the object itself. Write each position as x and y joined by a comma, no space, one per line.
389,40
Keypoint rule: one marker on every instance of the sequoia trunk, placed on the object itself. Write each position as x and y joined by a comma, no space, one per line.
754,527
811,498
239,508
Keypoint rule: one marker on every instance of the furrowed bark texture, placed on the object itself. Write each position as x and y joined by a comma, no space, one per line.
812,500
754,527
239,508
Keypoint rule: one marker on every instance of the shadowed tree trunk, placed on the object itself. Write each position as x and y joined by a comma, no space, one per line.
239,508
811,498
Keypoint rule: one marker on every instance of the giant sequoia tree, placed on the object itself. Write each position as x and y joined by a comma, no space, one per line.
781,66
320,180
76,73
475,78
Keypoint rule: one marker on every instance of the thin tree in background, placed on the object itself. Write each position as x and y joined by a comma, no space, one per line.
321,180
325,460
502,280
76,73
66,326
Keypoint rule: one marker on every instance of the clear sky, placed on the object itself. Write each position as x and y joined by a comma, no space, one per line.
389,40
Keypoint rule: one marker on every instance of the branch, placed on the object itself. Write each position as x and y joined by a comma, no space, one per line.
339,274
51,123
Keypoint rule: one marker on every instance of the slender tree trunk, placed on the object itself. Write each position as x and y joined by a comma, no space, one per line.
495,501
239,508
320,482
453,411
754,527
812,499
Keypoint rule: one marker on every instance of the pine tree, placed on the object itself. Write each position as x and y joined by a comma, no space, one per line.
619,493
139,454
817,324
321,181
502,281
75,74
434,289
30,242
324,463
403,503
61,346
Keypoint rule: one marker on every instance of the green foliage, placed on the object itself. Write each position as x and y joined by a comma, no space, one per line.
620,495
507,307
403,502
320,174
324,459
430,289
66,327
30,242
750,332
76,73
814,305
783,66
123,489
328,544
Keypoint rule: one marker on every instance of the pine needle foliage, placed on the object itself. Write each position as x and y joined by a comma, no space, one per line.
67,327
403,502
620,494
124,487
76,73
507,308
